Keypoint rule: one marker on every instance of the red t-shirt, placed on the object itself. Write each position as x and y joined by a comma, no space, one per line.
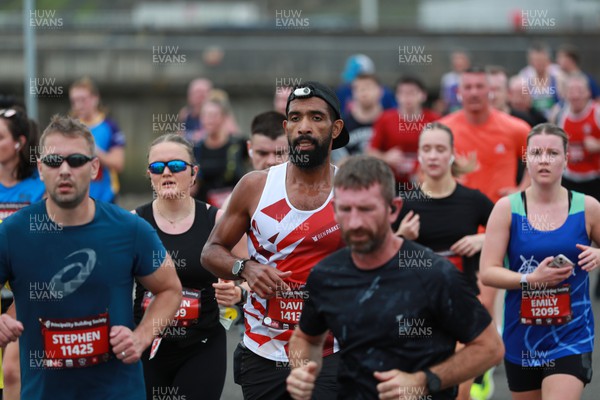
499,144
582,164
392,130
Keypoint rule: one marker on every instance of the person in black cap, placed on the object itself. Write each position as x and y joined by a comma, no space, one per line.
287,213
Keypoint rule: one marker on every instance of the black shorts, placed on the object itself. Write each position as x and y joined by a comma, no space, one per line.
261,378
524,379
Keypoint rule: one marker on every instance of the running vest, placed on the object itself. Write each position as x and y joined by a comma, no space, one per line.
288,239
537,344
582,165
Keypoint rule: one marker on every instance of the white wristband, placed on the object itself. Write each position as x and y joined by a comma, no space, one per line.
524,279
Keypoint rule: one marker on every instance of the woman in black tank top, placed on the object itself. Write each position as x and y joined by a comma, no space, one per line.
190,361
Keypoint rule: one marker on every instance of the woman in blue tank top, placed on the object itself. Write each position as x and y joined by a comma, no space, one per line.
537,247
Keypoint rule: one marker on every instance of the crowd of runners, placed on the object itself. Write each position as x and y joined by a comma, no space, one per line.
364,236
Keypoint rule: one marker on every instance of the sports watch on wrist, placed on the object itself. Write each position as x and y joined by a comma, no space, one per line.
434,384
238,267
244,297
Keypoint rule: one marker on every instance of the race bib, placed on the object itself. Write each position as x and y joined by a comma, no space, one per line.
547,306
75,343
189,309
283,311
576,152
8,209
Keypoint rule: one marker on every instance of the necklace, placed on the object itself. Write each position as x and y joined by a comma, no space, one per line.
174,221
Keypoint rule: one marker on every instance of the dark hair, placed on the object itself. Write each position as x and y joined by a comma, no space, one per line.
475,69
411,80
69,127
549,129
269,124
19,125
366,76
570,51
9,100
540,47
178,139
362,172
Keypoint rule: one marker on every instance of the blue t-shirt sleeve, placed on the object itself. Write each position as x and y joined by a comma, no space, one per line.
148,249
117,138
594,89
4,262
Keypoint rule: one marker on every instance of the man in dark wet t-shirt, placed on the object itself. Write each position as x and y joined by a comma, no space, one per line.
396,308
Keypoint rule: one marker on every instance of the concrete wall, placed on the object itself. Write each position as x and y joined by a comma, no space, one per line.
139,82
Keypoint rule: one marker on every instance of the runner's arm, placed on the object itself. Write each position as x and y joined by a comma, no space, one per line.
478,355
217,254
229,229
113,159
166,287
306,358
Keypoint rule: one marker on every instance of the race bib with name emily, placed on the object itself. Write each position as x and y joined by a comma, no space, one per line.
546,307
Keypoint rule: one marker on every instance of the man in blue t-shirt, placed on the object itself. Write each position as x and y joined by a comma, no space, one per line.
73,292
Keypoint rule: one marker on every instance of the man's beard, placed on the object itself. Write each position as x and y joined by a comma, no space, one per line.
370,245
309,159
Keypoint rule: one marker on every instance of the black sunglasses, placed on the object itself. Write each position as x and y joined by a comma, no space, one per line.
158,167
74,160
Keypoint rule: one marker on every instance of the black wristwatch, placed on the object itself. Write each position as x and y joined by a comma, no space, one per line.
244,297
434,384
238,267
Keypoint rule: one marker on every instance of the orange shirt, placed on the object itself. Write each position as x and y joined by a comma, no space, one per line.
499,144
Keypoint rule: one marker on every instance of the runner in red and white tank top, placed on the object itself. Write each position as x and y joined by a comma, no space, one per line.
583,164
287,214
288,239
581,122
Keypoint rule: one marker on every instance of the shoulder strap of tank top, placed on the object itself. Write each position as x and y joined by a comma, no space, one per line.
143,210
524,198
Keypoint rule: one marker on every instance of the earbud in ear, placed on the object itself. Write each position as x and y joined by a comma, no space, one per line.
17,145
451,159
459,97
250,153
420,159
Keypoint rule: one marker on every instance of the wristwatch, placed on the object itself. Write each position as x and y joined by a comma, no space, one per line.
238,267
244,297
434,384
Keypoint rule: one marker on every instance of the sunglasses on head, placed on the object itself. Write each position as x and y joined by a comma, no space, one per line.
158,167
8,113
74,160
